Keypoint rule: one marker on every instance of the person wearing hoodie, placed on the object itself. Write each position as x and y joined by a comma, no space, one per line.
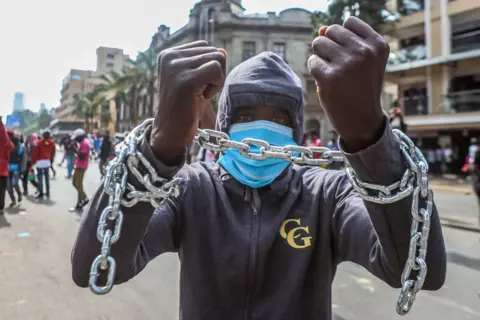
16,165
6,146
261,239
42,156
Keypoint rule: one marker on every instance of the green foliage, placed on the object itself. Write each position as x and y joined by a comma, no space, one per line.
43,120
373,12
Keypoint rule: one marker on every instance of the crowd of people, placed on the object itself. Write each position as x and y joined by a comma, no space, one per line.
29,160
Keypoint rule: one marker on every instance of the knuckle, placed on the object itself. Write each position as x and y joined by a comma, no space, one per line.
365,52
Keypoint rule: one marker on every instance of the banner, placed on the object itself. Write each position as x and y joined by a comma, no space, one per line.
13,121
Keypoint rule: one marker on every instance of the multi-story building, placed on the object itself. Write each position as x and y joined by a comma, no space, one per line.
66,120
223,23
81,82
434,71
18,102
111,59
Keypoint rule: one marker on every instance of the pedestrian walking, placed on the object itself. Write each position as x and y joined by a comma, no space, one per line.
6,146
105,152
42,156
16,166
29,147
70,147
81,165
261,239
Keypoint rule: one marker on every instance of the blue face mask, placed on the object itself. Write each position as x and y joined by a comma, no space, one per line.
257,173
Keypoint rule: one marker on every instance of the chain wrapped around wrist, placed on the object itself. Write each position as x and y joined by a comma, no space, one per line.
122,193
157,189
414,181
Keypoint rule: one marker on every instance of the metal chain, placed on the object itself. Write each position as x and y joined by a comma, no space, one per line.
294,154
115,186
415,181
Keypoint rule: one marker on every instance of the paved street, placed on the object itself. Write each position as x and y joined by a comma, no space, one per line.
35,278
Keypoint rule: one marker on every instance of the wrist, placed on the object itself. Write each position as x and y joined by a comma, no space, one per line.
165,151
360,142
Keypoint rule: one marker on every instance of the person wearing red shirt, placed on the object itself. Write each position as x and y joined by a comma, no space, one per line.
42,157
6,147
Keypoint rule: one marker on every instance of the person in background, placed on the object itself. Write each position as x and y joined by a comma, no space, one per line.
476,176
6,146
472,150
91,144
16,166
70,147
439,159
105,152
396,118
448,157
63,142
29,146
81,165
97,144
432,160
42,157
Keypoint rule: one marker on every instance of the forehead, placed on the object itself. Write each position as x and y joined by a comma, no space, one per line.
261,110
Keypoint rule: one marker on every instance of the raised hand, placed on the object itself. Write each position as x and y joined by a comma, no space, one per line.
348,65
189,76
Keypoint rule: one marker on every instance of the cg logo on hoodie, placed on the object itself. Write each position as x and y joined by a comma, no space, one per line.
298,237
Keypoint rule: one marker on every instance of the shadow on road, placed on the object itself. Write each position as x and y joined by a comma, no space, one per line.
463,260
14,210
47,202
3,222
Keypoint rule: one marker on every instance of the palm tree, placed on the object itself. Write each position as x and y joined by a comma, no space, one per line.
86,107
147,65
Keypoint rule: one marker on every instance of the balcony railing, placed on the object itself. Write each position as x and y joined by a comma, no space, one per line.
415,106
466,42
409,54
462,101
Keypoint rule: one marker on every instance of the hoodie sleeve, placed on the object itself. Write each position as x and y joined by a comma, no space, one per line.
377,236
144,235
5,141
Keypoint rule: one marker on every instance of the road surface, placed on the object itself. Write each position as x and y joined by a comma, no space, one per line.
35,276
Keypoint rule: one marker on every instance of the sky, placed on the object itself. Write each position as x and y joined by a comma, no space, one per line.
40,41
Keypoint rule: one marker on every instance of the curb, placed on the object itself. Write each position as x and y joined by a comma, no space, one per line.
447,223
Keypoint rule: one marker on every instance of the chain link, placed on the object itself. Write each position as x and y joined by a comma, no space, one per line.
414,181
157,189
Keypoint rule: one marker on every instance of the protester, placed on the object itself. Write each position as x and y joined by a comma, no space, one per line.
70,147
262,238
29,147
81,165
16,166
396,118
105,152
476,176
6,146
97,144
42,156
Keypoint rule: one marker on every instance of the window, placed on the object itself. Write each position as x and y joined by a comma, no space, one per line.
75,76
109,65
110,56
248,49
279,49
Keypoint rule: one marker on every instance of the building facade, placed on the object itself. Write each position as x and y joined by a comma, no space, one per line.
18,102
82,82
434,71
223,23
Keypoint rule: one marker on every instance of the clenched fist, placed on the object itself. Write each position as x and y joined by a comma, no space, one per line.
189,76
348,65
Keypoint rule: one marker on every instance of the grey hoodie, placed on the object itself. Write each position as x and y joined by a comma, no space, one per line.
268,254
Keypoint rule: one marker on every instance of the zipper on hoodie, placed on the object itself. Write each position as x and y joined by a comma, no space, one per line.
252,265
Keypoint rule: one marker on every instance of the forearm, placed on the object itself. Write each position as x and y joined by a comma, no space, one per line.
383,164
125,251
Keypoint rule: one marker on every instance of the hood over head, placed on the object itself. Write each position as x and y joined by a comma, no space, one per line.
263,80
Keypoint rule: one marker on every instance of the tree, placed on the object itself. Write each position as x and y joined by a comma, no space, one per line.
373,12
86,107
406,7
44,119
